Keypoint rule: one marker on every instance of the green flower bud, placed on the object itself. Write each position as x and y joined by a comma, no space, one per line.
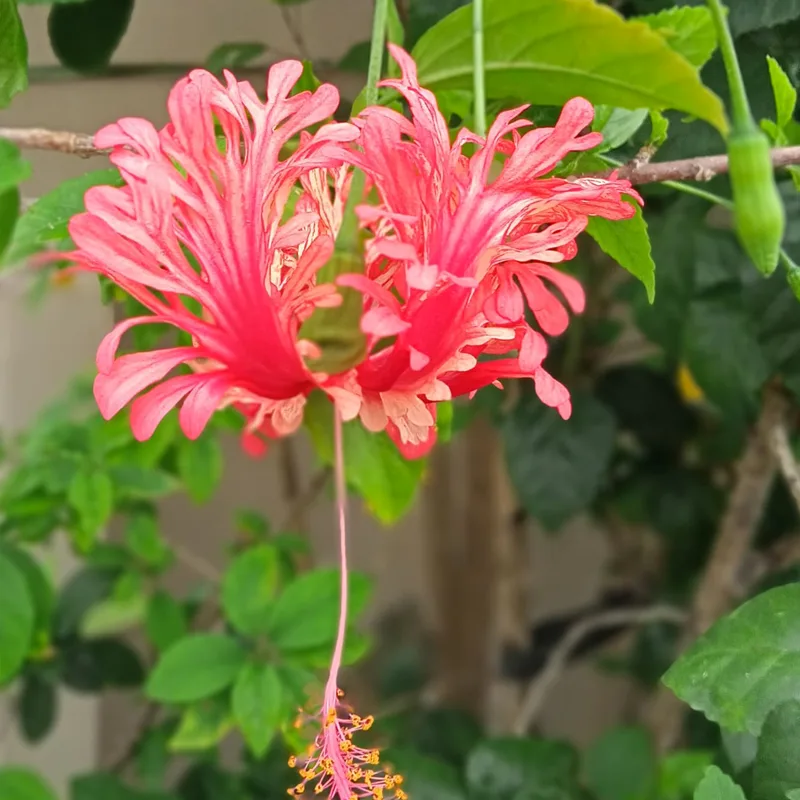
758,209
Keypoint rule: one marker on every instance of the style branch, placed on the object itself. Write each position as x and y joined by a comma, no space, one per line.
703,168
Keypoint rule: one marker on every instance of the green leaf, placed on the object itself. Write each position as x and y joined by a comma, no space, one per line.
424,14
627,242
142,482
617,125
200,466
85,35
13,53
18,783
777,766
143,539
234,54
660,126
91,495
553,59
740,748
373,465
46,220
557,466
13,168
506,769
306,613
746,664
40,588
745,15
425,778
784,93
165,620
37,706
202,726
680,772
196,667
722,352
716,785
79,594
9,213
114,615
249,587
18,617
621,765
688,31
258,706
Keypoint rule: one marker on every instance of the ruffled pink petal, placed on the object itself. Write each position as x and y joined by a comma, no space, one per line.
149,409
132,373
201,403
552,393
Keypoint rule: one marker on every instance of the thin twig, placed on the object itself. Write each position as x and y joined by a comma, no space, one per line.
304,501
782,450
689,169
703,168
196,563
537,691
296,32
79,144
720,585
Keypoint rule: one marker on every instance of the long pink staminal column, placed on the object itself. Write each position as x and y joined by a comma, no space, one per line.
200,235
456,255
335,765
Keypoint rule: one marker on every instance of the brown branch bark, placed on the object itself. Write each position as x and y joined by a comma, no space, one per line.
537,691
719,585
79,144
703,168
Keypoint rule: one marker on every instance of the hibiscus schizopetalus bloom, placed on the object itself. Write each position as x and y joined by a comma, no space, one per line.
197,236
455,255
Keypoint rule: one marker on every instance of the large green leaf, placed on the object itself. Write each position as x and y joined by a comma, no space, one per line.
249,587
306,613
373,464
46,220
510,769
9,213
745,15
716,785
621,765
540,52
18,783
722,351
557,466
85,35
746,664
777,765
37,705
200,466
17,616
627,242
91,495
39,585
13,168
258,705
196,667
165,620
425,778
202,726
688,31
13,53
233,54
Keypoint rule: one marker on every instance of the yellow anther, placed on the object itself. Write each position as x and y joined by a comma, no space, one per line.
373,757
355,719
319,789
368,777
330,717
367,723
389,781
398,779
292,761
300,788
345,746
400,795
377,793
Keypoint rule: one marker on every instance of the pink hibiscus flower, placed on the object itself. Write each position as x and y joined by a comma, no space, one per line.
456,255
198,236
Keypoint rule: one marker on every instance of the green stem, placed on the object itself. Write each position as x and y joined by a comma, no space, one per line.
742,116
478,75
376,48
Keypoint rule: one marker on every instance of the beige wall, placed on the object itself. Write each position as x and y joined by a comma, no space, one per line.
40,349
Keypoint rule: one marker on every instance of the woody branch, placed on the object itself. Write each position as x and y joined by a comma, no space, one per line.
703,168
